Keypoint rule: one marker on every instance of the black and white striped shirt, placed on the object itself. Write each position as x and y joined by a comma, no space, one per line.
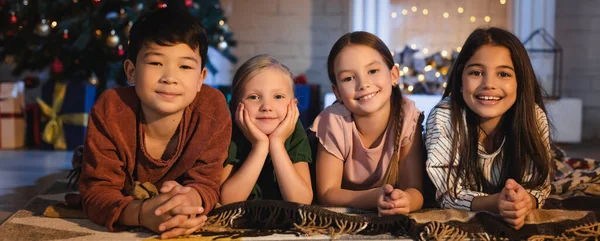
438,141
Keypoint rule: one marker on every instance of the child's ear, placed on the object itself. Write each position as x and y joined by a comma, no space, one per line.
203,74
336,92
395,74
129,68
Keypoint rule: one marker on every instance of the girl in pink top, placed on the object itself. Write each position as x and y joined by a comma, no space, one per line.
370,153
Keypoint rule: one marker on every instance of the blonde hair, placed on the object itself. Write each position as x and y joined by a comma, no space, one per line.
248,70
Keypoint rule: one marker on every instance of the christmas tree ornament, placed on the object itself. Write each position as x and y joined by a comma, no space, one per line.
122,14
98,33
13,17
162,5
25,2
97,3
120,50
139,6
128,28
42,29
57,66
66,34
93,80
188,3
112,40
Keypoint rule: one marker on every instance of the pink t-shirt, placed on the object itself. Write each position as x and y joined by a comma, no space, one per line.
363,167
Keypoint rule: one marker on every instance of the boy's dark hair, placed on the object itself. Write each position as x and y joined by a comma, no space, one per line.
166,27
524,146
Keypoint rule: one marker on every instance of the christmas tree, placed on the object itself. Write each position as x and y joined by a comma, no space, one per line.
88,38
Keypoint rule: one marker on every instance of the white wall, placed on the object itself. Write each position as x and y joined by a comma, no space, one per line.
578,32
300,33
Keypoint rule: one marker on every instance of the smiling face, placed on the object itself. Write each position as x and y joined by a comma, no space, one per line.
489,83
363,80
166,78
266,97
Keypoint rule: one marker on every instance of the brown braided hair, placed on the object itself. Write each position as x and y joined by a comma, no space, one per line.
396,116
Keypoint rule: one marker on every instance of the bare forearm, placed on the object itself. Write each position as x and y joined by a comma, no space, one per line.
293,187
486,203
416,199
239,185
363,199
130,214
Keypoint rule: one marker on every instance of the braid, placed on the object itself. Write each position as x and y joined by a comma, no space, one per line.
396,117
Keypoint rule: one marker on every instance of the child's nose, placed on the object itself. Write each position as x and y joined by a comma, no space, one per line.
489,82
266,106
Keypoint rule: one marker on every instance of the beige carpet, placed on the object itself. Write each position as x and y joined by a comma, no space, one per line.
288,221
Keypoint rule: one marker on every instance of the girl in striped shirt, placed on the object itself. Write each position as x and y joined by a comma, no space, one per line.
487,140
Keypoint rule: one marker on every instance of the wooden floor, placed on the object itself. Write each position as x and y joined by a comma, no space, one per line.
24,173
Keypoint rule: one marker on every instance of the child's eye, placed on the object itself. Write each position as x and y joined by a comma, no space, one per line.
373,71
155,63
504,74
253,97
346,79
186,67
476,73
279,97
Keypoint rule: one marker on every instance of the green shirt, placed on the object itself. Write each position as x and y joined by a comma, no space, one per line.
266,186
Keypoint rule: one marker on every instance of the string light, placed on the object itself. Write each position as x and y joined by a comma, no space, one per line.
53,24
427,68
437,74
392,52
421,77
461,10
401,73
458,49
445,84
394,14
405,69
444,53
411,88
414,9
446,14
425,11
487,19
472,19
502,1
404,11
425,50
413,46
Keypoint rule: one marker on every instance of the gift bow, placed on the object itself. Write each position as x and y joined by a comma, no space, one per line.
53,131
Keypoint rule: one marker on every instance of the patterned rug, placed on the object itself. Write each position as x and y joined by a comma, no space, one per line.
278,220
572,212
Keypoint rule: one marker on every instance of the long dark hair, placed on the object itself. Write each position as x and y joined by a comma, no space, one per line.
524,145
396,116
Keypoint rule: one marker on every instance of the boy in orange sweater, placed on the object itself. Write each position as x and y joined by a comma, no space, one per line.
168,129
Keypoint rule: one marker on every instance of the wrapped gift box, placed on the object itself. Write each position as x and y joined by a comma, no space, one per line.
67,105
12,123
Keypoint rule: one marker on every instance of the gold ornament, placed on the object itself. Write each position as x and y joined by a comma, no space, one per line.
93,80
112,40
42,29
128,28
